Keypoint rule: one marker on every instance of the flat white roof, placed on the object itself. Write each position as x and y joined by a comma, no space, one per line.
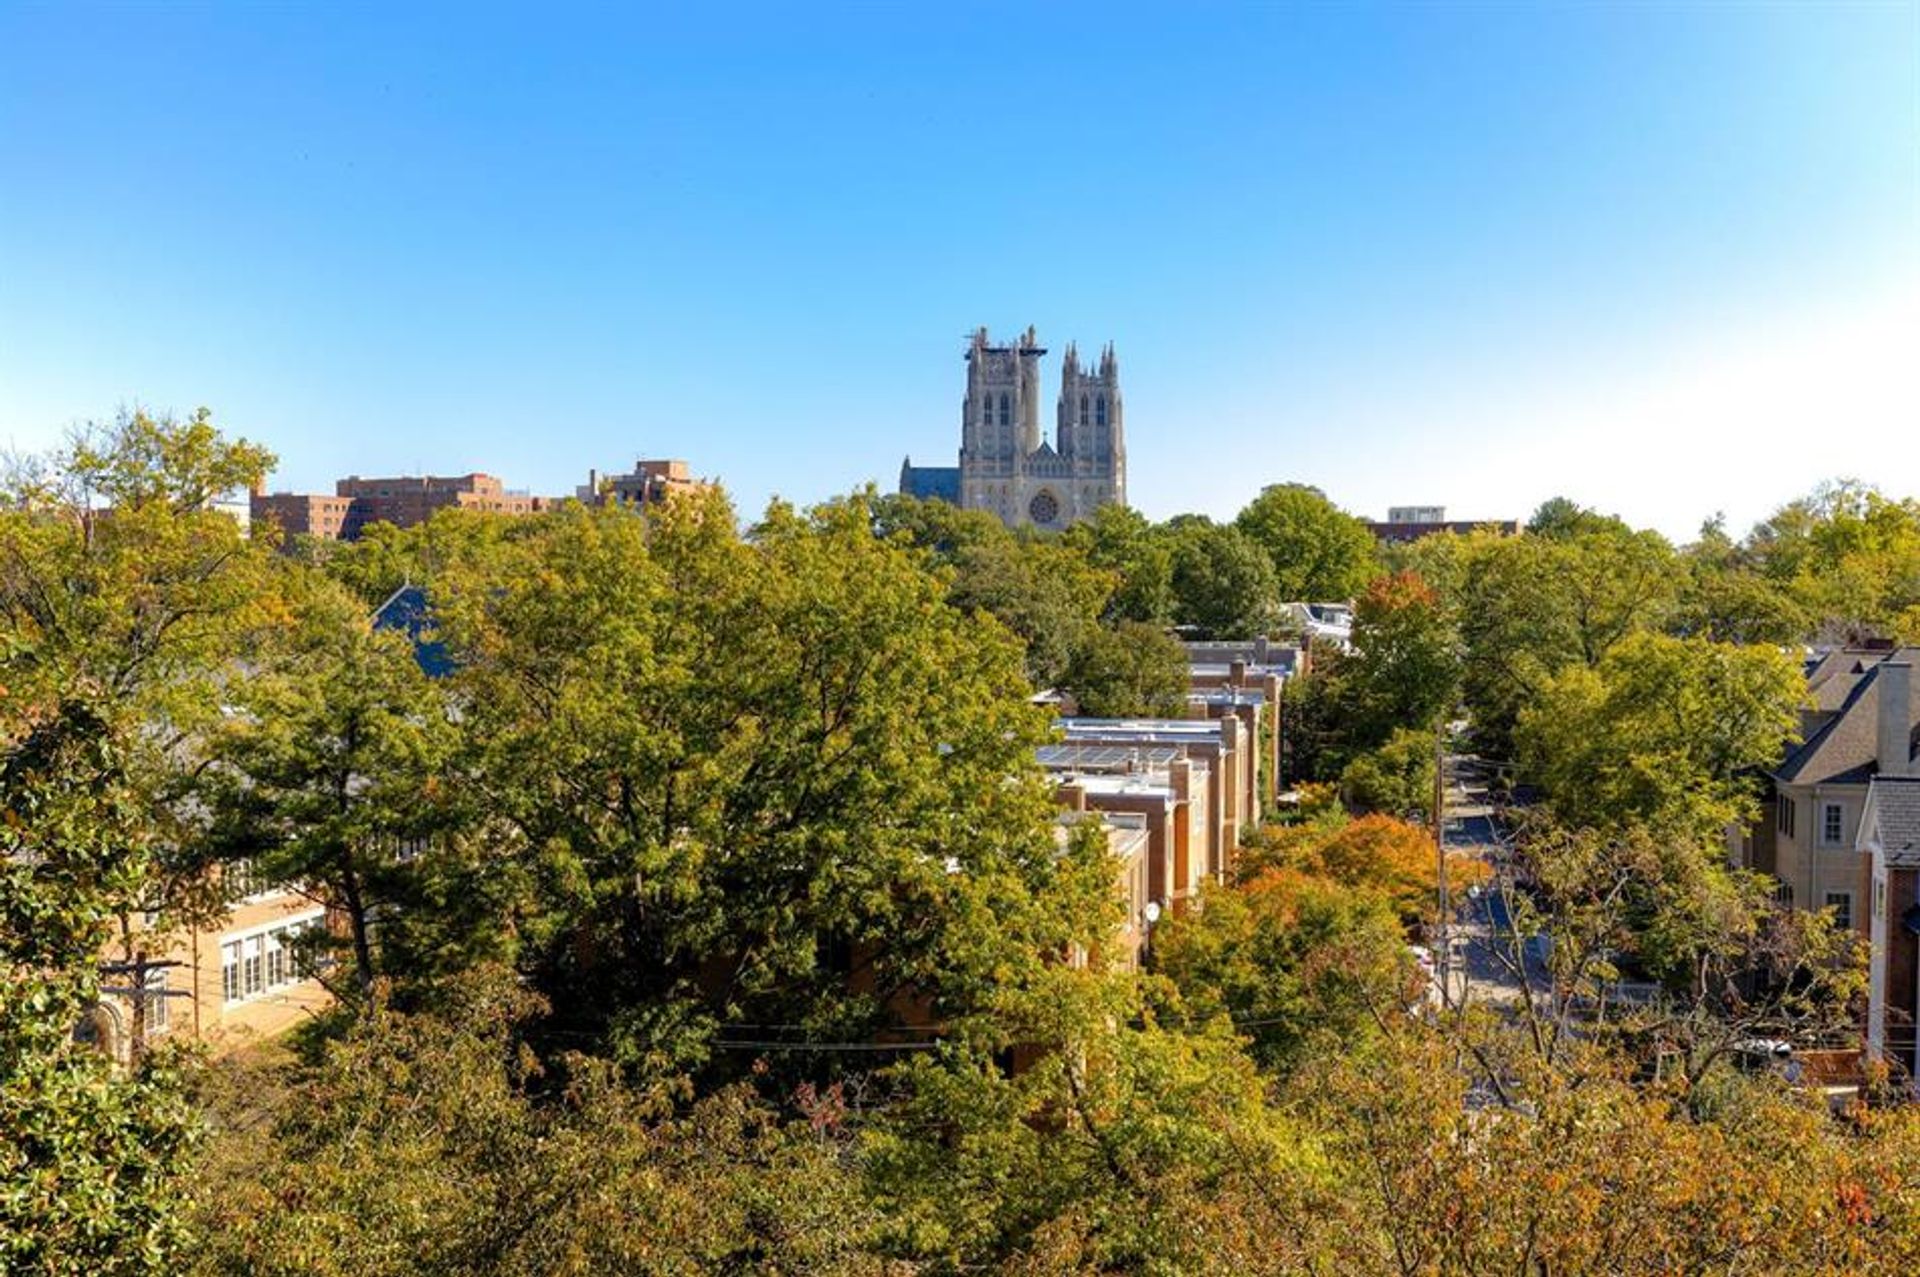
1103,728
1146,786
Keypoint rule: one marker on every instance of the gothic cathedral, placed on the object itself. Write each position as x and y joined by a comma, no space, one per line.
1005,465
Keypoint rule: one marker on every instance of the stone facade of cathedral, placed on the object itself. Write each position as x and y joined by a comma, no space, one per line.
1006,466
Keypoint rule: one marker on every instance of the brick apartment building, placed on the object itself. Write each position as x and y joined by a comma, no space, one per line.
303,514
648,484
403,501
1156,783
407,500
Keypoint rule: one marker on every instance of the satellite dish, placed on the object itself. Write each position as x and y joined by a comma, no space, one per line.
1153,912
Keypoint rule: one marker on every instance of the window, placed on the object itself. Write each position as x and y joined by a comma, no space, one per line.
1841,904
244,879
1784,816
252,969
264,961
1100,411
1083,408
1006,411
1832,824
158,1020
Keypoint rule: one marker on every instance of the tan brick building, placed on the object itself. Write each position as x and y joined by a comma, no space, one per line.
648,484
1221,753
227,986
1166,791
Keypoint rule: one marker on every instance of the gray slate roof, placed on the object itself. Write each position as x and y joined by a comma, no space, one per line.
407,610
1896,807
1843,751
1833,678
931,482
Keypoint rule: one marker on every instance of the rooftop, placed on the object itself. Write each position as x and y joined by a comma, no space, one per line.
1091,758
1226,696
1143,786
1893,807
1140,728
1844,750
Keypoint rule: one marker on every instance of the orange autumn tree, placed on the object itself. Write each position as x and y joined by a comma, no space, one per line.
1310,945
1372,853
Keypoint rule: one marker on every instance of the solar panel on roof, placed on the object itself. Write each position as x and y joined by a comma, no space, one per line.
1095,757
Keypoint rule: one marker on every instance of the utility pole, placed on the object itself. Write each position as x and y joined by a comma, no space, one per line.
139,993
1443,955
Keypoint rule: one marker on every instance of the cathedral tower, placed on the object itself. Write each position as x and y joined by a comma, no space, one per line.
1006,466
1090,428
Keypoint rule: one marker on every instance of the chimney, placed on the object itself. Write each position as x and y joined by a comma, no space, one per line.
1072,796
1261,649
1237,673
1895,678
1180,772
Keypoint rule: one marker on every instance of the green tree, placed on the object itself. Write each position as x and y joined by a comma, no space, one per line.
776,780
1131,670
427,1144
1045,592
1223,585
1564,519
1405,667
1119,539
1319,715
1849,555
1396,778
1663,729
1122,1145
330,774
122,600
1529,606
1298,959
1319,552
383,557
1725,597
939,527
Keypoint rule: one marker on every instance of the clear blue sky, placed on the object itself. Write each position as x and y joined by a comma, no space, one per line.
1662,258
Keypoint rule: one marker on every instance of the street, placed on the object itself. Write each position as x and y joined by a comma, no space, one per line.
1485,962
